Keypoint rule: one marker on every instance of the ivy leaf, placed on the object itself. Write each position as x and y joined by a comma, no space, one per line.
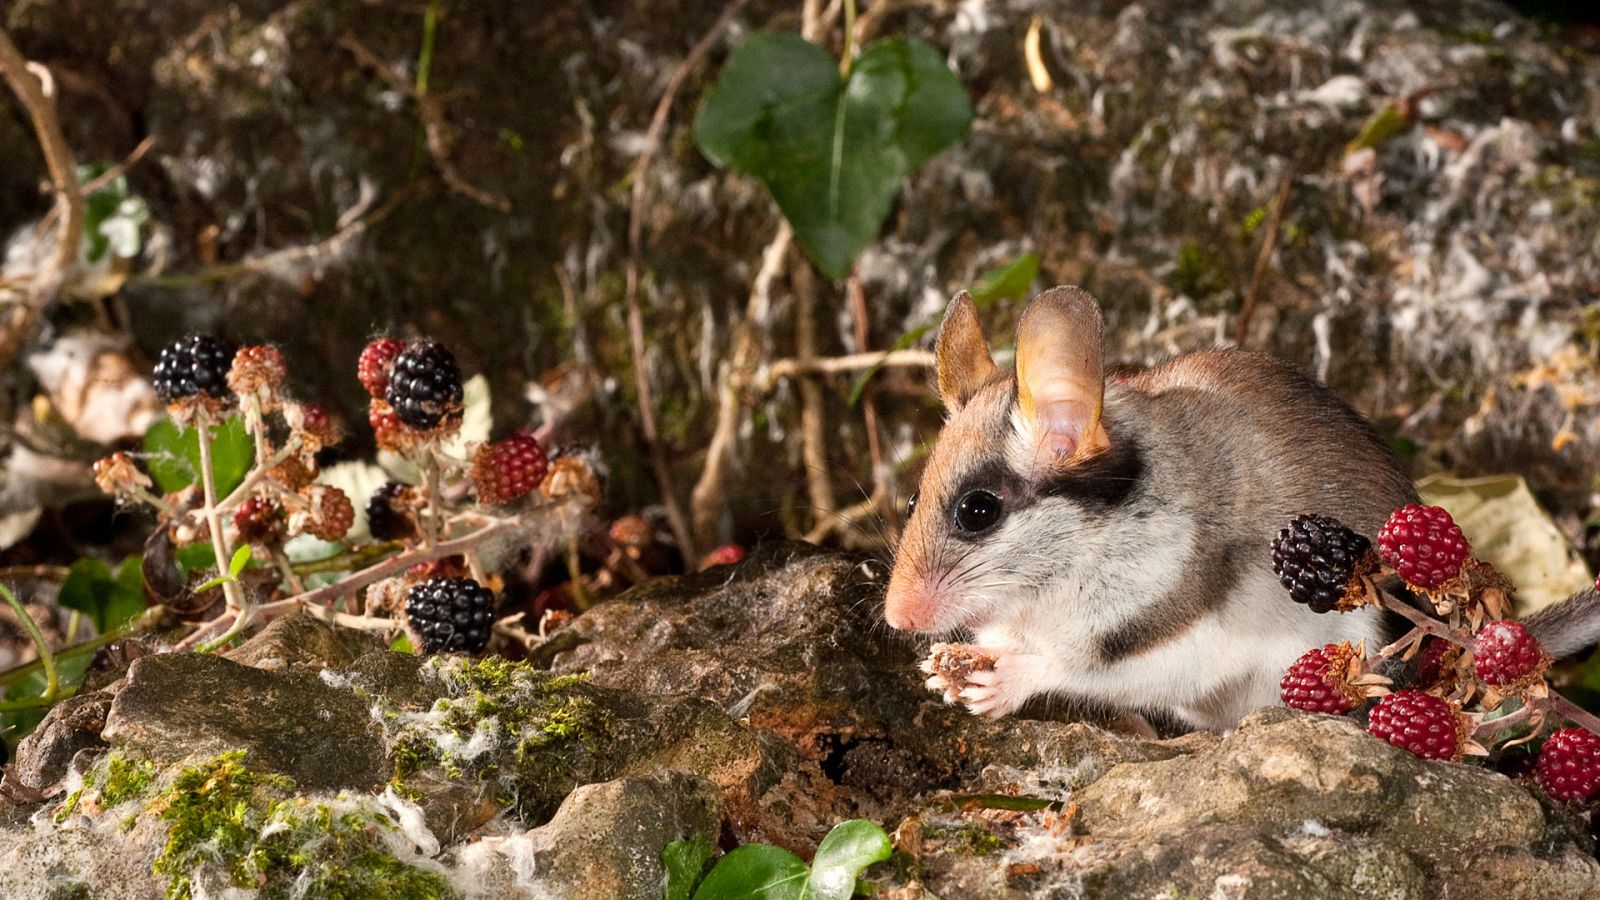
755,872
850,847
109,600
832,151
684,861
174,455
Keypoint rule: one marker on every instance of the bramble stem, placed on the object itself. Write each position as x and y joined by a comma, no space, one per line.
435,506
1573,712
1509,720
394,565
231,590
1421,621
262,467
46,658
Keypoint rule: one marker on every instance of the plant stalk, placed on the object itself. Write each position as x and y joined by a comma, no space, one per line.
219,540
51,682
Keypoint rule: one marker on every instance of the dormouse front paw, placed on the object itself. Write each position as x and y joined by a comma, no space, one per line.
987,681
950,668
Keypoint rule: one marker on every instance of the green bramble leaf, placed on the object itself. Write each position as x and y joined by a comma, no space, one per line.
764,872
755,872
174,455
241,558
684,861
832,150
847,849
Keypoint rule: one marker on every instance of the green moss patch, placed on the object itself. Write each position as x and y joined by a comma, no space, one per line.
534,732
252,825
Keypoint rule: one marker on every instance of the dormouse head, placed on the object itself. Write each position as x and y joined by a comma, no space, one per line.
1017,470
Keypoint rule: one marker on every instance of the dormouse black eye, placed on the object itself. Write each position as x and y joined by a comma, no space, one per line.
911,505
977,511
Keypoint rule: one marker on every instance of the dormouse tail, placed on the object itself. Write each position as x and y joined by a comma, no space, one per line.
1569,627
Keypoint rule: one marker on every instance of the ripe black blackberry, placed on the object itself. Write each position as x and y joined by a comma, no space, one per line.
388,516
1318,560
450,614
197,364
424,385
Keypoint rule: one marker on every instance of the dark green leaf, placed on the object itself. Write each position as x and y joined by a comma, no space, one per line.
755,872
174,455
91,589
127,596
850,847
98,207
196,558
1010,280
685,860
832,153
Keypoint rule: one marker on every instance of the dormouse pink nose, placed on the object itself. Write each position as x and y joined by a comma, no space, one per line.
908,606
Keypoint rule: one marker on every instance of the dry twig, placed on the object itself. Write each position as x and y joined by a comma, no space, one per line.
639,186
435,127
26,82
1268,242
705,504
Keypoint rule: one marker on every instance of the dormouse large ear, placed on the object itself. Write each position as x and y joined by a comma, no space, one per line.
1061,375
963,362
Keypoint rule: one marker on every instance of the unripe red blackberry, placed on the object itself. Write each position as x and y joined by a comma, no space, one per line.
1505,654
257,369
313,421
197,365
1428,726
372,369
425,385
328,514
1569,765
389,515
1435,661
1316,681
259,521
1320,561
388,432
450,614
1424,545
508,469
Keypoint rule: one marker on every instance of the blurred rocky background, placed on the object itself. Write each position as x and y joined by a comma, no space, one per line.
1401,198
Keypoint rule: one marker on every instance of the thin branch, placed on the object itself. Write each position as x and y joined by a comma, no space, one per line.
351,225
834,365
813,419
394,565
705,503
859,317
19,328
435,127
1268,242
639,187
117,171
